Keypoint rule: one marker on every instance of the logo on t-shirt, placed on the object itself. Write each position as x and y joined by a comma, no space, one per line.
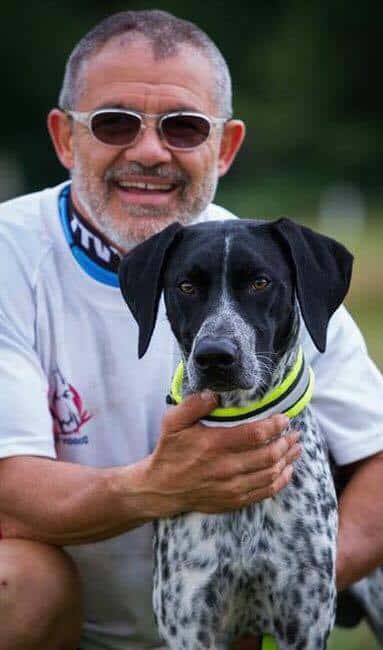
67,410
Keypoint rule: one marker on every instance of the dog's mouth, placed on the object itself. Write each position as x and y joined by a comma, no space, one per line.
217,363
219,380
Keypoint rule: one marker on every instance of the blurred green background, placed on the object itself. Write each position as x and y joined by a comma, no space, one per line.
307,81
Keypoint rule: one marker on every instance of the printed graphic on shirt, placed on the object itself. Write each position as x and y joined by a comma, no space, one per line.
92,244
67,411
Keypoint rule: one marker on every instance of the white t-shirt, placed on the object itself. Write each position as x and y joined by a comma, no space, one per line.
72,388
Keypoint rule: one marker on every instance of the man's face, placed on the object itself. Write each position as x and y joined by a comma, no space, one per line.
127,76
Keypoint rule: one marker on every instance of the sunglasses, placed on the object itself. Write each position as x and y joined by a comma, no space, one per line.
121,128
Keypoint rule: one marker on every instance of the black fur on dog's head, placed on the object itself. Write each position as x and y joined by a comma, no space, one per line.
230,290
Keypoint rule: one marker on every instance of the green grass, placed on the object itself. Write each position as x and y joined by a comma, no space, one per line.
359,638
365,300
369,317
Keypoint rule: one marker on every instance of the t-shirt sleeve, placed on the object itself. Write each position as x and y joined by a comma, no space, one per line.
348,395
25,420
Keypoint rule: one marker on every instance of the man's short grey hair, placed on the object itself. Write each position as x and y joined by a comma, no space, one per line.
165,33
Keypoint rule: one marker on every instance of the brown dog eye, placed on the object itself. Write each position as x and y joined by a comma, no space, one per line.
187,287
259,284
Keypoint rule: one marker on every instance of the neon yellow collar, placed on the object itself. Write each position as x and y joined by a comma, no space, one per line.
269,643
290,397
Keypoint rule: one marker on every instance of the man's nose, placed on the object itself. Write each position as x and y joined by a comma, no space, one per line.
215,352
149,149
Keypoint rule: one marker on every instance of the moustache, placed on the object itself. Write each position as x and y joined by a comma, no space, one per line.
120,173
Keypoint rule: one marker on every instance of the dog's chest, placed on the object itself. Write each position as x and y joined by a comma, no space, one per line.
274,538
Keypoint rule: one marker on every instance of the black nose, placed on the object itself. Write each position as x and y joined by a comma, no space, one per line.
212,352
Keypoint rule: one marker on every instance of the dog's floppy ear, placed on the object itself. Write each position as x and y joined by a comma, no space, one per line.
322,271
141,277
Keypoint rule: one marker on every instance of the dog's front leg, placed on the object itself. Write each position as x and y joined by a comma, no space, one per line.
194,585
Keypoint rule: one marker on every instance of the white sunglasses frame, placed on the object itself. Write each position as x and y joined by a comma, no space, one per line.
86,118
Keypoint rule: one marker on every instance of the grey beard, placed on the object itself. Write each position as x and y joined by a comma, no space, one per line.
127,238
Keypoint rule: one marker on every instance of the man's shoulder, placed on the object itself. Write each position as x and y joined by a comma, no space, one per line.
343,336
28,208
216,212
24,221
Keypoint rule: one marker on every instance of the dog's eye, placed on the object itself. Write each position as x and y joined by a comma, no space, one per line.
187,287
259,284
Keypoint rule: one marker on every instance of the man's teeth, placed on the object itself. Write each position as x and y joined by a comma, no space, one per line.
145,186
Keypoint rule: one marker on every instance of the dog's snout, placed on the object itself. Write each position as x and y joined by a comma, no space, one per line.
215,353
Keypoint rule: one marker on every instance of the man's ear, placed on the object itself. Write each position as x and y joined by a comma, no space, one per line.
141,280
231,141
322,269
60,130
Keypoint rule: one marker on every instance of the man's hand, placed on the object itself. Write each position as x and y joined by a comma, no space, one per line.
193,468
198,468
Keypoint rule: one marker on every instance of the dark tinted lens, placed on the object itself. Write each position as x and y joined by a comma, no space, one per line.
115,128
185,131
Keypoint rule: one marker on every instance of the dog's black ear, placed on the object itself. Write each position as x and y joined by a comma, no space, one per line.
322,273
141,281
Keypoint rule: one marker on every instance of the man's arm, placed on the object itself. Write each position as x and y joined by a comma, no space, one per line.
360,538
348,402
67,503
192,468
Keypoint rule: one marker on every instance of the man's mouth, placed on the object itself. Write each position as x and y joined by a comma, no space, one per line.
146,191
144,188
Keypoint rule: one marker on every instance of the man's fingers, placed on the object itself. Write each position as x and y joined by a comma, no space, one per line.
193,408
271,458
253,434
294,452
269,455
265,430
235,467
258,494
266,477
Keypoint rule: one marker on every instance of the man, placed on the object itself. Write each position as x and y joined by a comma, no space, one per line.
145,130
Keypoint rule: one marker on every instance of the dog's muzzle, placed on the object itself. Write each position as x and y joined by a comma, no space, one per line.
217,364
211,354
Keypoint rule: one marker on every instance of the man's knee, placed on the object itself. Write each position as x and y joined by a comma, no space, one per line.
40,597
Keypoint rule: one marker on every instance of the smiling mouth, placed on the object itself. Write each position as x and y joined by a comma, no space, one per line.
145,188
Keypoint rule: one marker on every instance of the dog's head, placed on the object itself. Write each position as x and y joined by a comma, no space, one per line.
230,292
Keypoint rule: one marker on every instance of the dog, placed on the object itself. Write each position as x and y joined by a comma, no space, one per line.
235,294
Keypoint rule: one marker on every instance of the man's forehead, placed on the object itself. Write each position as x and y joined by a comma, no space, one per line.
131,67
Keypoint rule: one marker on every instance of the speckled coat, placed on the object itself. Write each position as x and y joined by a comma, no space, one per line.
269,567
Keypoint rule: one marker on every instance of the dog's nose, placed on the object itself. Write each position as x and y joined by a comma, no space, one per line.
212,352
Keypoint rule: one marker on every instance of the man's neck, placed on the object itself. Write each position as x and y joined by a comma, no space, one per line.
90,240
